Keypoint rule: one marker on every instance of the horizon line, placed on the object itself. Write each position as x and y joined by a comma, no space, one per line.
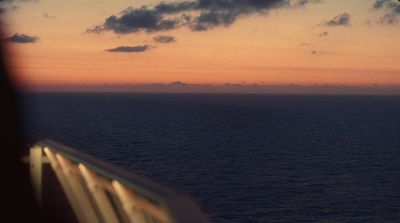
227,88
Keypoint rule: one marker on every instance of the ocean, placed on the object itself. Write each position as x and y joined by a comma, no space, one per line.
243,158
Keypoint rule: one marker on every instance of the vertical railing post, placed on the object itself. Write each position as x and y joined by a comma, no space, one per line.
65,185
71,173
128,203
36,170
95,186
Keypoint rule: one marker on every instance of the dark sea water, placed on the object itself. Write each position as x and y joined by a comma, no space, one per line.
243,158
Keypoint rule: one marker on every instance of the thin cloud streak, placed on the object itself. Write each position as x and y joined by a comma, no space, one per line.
129,49
47,16
316,52
164,39
21,38
339,20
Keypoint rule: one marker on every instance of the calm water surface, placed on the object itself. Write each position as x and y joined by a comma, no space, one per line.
244,158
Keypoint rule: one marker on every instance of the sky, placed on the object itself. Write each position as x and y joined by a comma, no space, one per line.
54,43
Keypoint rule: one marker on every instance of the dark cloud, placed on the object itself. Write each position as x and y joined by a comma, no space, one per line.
198,15
325,33
134,20
305,2
225,13
392,9
129,49
380,3
7,8
164,39
170,8
11,5
21,38
340,20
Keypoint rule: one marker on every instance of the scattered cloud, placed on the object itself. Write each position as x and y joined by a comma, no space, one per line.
7,8
392,9
21,38
16,1
178,84
378,4
390,19
12,5
47,16
198,15
339,20
164,39
129,49
316,52
324,33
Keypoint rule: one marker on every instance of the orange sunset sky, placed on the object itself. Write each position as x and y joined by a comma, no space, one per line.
336,42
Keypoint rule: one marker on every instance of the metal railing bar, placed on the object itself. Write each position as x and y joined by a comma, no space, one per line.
162,203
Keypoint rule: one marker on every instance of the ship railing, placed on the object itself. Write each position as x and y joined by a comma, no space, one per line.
99,192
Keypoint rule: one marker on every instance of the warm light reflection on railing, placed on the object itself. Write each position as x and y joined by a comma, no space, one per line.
99,192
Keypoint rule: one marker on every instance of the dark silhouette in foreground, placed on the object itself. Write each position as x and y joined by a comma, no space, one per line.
17,199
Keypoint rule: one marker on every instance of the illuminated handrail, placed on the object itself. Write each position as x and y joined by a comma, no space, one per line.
100,192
